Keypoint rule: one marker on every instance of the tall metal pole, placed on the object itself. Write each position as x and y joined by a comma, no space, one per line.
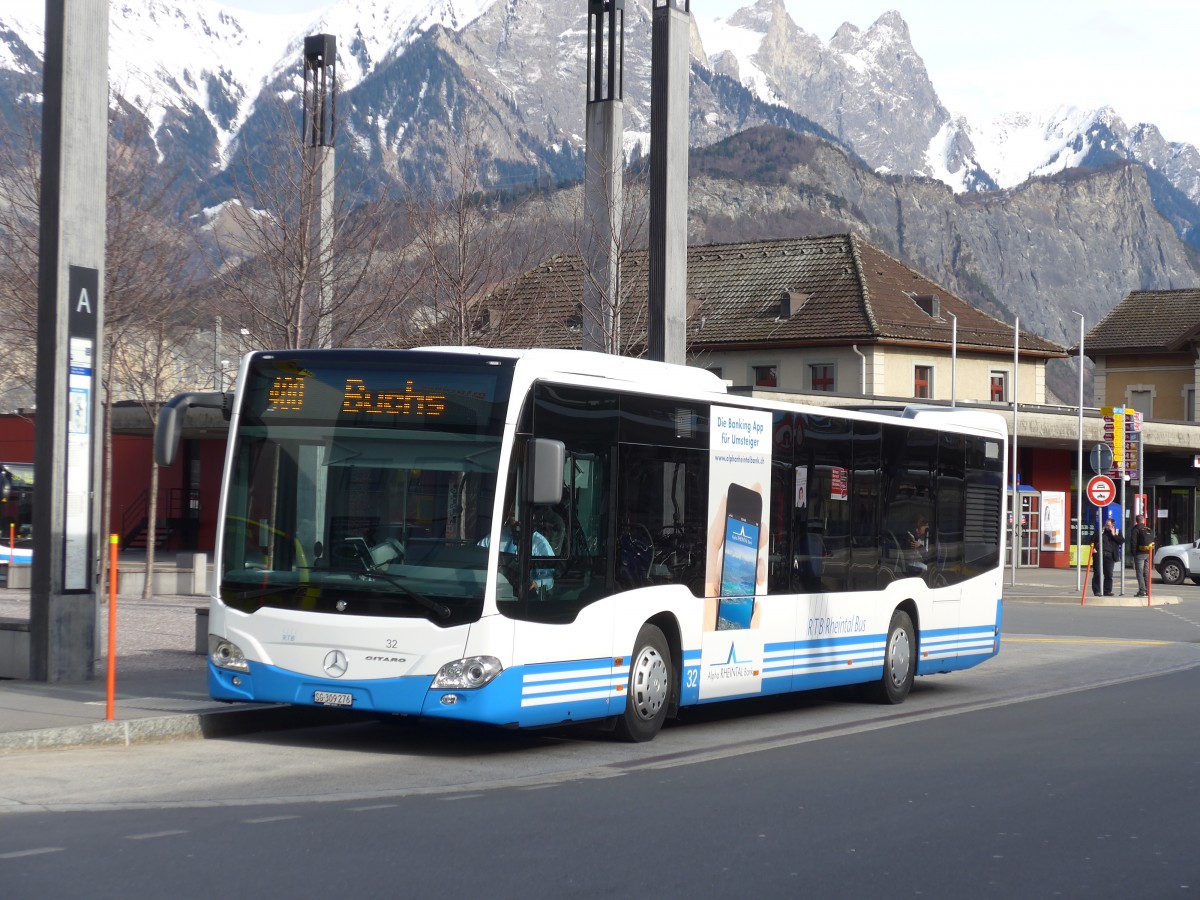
953,356
669,73
320,129
1124,515
1145,507
218,378
604,176
1079,468
63,598
1016,511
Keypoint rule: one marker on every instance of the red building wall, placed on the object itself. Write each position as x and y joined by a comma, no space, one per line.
16,438
132,458
1052,470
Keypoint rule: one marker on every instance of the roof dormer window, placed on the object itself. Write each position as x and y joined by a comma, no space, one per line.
930,304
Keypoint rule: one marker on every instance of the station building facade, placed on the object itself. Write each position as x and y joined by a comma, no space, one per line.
826,321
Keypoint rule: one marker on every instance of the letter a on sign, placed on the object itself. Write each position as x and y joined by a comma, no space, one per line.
83,299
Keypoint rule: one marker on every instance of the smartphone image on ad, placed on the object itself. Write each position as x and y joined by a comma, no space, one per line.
739,567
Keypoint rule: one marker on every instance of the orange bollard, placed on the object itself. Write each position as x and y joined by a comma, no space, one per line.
112,628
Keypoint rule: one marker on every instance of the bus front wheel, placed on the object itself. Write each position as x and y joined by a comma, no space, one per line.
650,677
899,662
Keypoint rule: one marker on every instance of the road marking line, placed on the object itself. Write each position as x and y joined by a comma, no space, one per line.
268,819
152,835
1117,641
17,854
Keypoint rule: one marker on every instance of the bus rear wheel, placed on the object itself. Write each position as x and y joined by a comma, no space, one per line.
899,662
650,685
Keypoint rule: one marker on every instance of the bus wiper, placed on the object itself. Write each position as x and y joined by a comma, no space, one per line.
440,609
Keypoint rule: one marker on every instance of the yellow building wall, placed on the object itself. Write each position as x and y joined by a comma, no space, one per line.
1166,376
886,372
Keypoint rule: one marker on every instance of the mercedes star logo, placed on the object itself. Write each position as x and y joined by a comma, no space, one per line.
336,664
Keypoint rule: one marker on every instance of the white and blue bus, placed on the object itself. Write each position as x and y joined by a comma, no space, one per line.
542,537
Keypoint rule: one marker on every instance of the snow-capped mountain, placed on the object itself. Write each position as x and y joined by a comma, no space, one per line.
871,90
194,65
198,72
855,119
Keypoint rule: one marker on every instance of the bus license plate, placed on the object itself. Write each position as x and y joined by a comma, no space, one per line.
330,698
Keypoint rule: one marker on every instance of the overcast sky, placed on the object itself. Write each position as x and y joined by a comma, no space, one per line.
1021,55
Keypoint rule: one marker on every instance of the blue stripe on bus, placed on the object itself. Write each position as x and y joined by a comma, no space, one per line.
572,691
521,695
578,690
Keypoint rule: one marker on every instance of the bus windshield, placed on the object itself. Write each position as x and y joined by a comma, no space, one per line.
364,484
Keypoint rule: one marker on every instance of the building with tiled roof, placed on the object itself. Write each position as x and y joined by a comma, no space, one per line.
810,314
1147,354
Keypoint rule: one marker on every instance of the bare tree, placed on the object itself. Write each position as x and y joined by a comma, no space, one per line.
150,270
470,240
20,203
147,266
622,318
266,267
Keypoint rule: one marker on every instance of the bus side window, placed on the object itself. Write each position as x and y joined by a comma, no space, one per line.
578,527
662,499
783,500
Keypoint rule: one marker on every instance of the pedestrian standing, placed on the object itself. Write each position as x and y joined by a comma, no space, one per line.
1108,551
1143,546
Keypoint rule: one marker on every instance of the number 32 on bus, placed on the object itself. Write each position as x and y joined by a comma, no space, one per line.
541,537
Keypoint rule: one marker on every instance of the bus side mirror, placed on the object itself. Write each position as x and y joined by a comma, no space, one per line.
544,483
166,434
170,421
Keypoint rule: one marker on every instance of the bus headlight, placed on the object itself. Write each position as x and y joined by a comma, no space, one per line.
226,654
465,674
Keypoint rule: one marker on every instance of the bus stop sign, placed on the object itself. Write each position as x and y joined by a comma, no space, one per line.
1101,491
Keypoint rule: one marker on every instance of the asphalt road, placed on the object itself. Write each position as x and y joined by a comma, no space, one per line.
1066,767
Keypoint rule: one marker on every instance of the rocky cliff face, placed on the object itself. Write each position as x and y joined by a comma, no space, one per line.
1078,241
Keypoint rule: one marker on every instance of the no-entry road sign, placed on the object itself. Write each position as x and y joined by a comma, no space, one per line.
1101,491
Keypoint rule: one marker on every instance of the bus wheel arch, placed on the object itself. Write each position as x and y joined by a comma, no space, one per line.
653,686
899,657
669,626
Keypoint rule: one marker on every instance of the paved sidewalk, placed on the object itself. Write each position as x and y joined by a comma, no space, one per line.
160,686
161,691
1063,586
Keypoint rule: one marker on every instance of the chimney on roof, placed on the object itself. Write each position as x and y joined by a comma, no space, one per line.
790,303
929,303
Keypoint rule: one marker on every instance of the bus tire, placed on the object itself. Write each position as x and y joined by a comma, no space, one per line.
899,662
651,677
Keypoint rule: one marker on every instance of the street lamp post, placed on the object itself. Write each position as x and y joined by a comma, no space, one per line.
1016,497
953,355
1079,469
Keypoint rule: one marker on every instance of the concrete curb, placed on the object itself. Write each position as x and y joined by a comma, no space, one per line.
1128,602
220,723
